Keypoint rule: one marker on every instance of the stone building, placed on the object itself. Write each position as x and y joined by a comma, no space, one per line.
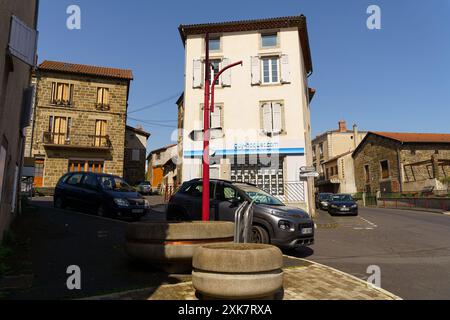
135,155
402,162
18,42
162,167
79,120
332,159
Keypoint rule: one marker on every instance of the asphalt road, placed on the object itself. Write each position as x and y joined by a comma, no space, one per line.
411,248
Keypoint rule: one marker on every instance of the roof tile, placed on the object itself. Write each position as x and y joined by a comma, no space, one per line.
86,70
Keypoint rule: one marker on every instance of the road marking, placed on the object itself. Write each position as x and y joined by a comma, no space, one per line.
371,223
363,228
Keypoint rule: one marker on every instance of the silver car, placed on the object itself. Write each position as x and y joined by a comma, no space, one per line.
144,188
273,222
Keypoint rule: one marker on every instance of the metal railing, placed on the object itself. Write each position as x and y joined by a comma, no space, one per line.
76,140
243,221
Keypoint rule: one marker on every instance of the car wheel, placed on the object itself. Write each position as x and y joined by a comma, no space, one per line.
58,203
101,212
260,235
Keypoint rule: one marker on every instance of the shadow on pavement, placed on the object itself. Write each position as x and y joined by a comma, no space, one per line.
51,240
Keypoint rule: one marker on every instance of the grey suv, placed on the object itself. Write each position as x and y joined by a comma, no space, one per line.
273,222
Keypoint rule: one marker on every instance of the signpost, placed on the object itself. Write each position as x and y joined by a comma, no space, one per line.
209,107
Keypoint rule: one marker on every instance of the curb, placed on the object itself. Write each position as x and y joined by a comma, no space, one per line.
435,211
381,290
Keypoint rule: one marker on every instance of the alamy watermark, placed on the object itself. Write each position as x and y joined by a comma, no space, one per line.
374,20
374,278
74,280
74,19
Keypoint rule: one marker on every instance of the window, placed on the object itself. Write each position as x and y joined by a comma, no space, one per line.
272,114
314,152
103,97
101,138
321,150
384,169
136,155
62,93
332,171
75,179
90,181
86,166
269,40
367,174
215,70
215,118
158,156
270,70
214,44
59,130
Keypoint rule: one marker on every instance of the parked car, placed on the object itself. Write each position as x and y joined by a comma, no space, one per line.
144,188
343,204
106,195
323,200
273,222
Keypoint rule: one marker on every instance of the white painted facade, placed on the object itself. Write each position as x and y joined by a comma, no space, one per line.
248,107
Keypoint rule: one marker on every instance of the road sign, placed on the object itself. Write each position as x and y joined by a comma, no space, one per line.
215,133
309,175
307,169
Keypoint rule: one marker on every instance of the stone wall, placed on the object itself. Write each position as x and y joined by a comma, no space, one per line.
372,152
83,114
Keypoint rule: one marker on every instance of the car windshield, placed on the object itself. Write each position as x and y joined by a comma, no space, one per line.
342,197
325,197
115,184
145,183
259,196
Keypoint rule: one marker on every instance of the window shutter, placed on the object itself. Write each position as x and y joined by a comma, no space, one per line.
226,77
27,107
197,74
277,118
256,71
216,118
285,69
22,41
267,118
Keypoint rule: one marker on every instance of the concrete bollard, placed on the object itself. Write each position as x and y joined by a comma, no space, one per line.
170,246
238,272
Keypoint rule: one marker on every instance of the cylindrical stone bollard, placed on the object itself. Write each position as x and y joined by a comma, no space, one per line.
171,246
238,271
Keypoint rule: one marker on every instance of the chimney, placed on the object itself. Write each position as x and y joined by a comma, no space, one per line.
342,126
355,135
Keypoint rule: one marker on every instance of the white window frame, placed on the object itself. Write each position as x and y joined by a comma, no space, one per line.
272,130
271,80
212,74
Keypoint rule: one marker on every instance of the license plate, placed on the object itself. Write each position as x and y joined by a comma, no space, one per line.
137,210
345,209
307,231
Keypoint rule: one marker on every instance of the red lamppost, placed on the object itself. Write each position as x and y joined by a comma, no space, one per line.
209,92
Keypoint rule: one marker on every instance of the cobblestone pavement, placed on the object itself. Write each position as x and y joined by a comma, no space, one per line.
309,282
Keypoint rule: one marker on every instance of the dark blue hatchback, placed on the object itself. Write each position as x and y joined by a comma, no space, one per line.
105,195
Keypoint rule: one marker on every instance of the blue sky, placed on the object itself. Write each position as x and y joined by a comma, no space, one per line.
393,79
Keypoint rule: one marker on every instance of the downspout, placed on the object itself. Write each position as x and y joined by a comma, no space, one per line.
400,169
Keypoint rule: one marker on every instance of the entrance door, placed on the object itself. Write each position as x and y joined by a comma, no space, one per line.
39,173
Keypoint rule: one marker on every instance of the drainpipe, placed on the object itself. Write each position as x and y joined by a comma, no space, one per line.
400,170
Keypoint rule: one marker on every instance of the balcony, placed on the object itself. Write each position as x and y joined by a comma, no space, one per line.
76,141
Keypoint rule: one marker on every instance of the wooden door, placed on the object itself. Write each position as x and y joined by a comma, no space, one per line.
39,173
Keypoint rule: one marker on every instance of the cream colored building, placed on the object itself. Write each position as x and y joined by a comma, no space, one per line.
332,159
262,113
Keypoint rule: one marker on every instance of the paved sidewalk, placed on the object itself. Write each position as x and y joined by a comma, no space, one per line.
311,281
